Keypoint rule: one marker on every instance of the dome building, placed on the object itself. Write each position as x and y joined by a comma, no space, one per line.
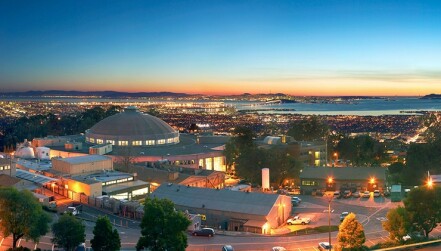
132,128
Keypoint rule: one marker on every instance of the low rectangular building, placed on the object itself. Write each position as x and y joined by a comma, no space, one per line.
82,164
342,178
230,210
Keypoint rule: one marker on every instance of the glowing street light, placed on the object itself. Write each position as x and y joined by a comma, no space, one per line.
330,180
429,183
372,180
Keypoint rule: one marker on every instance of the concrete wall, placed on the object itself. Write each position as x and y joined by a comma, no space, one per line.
94,189
80,168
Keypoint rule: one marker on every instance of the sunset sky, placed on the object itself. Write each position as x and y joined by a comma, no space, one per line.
304,47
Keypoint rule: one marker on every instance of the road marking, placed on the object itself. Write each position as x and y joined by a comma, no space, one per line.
384,238
382,218
371,242
53,247
326,210
1,242
19,241
35,247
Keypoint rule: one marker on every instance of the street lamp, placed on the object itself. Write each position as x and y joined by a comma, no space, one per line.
429,180
53,188
336,158
329,219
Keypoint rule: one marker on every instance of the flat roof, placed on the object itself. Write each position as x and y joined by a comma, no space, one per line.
84,159
343,173
34,164
218,199
36,178
125,186
101,176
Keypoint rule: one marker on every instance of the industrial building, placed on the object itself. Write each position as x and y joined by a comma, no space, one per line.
342,178
230,210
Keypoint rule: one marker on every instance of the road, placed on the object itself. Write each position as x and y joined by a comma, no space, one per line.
370,212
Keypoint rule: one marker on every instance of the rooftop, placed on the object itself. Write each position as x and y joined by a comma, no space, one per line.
85,159
343,173
218,199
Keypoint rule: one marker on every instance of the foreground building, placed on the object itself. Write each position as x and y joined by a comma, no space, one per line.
342,178
230,210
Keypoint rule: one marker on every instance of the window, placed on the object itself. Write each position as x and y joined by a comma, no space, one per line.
1,168
123,143
110,141
170,140
92,140
137,143
309,183
149,142
161,141
99,141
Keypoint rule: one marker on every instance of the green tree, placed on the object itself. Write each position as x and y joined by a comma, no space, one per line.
309,129
68,232
424,207
281,165
240,151
361,150
351,234
397,224
22,215
104,238
162,227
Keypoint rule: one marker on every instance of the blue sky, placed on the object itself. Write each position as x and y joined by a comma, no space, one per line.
220,47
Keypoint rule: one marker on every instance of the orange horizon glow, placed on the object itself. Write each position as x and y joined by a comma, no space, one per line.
309,87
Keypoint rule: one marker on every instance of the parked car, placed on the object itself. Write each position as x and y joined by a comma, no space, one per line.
356,194
297,199
376,193
297,221
227,248
343,216
204,232
366,194
324,246
337,195
347,194
278,249
294,203
72,210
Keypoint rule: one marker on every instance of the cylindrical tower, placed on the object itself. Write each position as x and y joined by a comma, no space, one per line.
265,179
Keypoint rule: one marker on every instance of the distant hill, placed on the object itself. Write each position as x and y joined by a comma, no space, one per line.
101,94
432,96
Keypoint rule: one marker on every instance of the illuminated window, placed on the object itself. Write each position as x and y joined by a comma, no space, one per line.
110,141
123,143
161,141
136,143
149,142
309,183
92,140
170,140
99,141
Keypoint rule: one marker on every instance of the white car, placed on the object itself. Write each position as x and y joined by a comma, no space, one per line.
278,249
366,194
298,221
324,246
376,193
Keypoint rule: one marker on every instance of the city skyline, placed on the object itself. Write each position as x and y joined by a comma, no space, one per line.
318,48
